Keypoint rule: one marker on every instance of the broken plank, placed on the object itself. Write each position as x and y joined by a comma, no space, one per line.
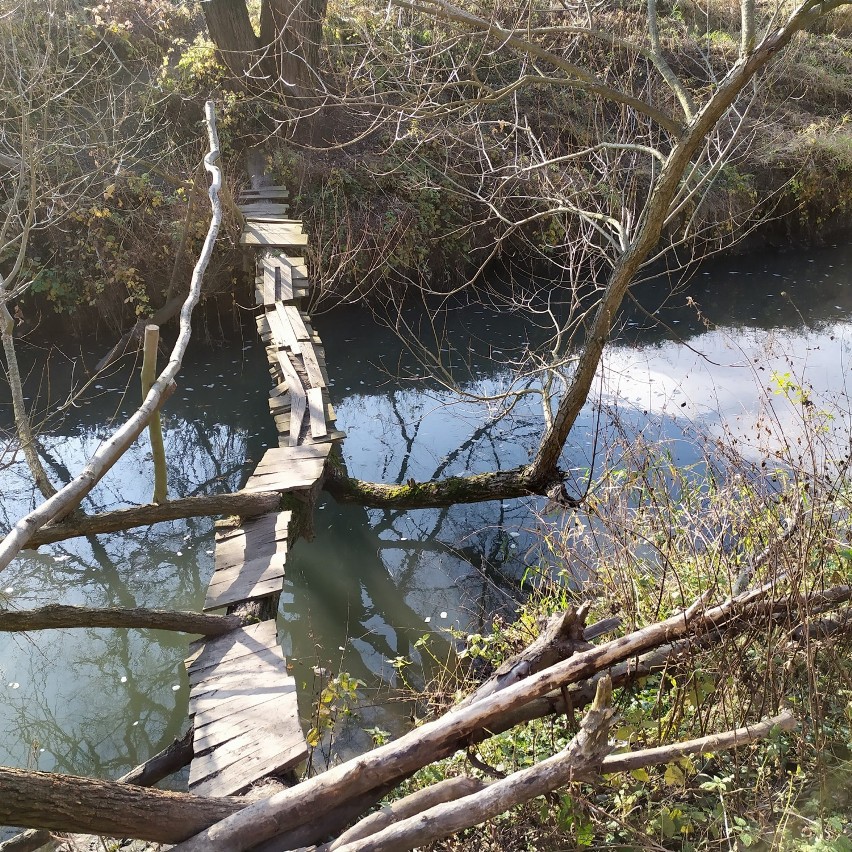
297,323
312,368
315,406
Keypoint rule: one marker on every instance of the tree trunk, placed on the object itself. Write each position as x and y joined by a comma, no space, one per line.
230,28
74,804
496,485
241,503
59,616
22,419
294,28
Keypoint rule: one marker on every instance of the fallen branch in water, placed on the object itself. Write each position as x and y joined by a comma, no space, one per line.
242,503
58,616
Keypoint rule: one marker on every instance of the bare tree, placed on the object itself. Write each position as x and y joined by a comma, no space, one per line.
628,178
65,123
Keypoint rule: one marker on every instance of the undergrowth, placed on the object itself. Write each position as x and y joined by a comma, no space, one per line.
653,537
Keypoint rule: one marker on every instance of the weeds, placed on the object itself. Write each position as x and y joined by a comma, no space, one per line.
655,537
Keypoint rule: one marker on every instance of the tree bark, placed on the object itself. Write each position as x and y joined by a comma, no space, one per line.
241,503
161,765
581,756
230,28
561,637
59,616
496,485
447,790
74,804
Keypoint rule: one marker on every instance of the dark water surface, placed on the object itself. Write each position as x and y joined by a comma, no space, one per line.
358,598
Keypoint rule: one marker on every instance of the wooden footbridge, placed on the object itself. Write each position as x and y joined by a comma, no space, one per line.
242,699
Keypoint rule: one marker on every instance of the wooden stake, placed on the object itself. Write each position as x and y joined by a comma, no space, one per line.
155,427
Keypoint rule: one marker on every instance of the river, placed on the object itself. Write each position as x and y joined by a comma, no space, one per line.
358,598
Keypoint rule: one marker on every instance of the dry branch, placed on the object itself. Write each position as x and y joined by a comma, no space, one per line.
240,503
585,752
111,450
57,616
440,738
703,745
447,790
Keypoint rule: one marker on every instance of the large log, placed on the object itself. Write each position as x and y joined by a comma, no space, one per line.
75,804
581,756
56,616
166,762
440,738
238,503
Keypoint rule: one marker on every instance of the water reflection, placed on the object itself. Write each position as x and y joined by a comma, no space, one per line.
361,596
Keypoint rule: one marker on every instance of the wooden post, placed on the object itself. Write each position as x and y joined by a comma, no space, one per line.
155,428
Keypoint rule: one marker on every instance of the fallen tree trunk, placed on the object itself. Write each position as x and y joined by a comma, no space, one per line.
74,804
575,763
585,752
440,738
562,636
56,616
240,503
161,765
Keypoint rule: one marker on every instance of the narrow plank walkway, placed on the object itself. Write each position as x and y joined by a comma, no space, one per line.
242,700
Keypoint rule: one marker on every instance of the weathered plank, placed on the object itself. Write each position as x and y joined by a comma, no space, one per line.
282,331
233,644
290,468
245,714
263,537
254,579
297,323
297,415
265,192
312,367
261,209
318,426
278,233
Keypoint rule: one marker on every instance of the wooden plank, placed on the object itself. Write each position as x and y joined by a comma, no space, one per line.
283,281
210,667
318,427
252,637
290,480
227,712
255,579
248,770
297,415
265,192
236,669
285,315
282,331
206,708
253,672
312,367
291,377
264,537
294,316
274,458
296,268
262,210
279,233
